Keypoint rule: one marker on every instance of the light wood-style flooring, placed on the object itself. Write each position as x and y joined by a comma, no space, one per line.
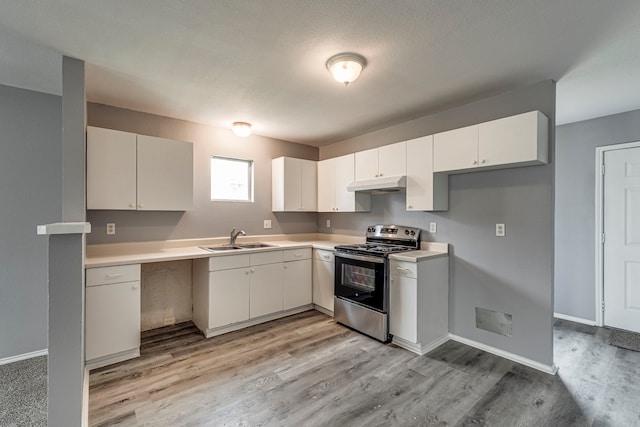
306,370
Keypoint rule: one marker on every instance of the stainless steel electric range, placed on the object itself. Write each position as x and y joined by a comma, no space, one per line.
361,297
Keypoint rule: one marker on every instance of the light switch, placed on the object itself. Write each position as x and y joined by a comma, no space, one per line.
433,227
267,223
111,228
500,230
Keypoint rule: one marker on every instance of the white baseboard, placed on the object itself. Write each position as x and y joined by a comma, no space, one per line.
256,321
24,356
574,319
418,348
323,310
552,370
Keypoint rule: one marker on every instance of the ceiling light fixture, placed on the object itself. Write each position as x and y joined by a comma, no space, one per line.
346,67
241,128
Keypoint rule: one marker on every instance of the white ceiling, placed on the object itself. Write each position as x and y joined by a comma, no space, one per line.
263,61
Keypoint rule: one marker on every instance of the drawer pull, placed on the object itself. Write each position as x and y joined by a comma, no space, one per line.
298,255
326,256
113,276
403,269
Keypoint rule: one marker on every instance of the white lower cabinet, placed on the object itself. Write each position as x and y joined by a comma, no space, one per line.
229,298
297,278
266,295
419,303
112,314
234,291
323,279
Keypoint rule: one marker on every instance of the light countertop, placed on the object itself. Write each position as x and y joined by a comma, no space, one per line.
106,255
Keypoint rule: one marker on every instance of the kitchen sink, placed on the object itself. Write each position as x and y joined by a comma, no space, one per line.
236,247
254,245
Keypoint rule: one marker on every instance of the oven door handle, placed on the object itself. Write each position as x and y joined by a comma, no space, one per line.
364,258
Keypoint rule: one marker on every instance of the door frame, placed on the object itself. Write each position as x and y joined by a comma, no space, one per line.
600,152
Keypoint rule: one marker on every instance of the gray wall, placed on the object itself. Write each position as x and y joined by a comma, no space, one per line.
575,206
30,190
512,274
207,219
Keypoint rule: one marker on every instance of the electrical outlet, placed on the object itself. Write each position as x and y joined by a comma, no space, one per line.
500,230
433,227
267,223
111,228
169,321
328,223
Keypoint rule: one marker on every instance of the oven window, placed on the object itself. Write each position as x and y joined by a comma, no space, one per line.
361,278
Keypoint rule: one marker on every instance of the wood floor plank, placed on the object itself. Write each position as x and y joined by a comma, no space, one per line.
307,370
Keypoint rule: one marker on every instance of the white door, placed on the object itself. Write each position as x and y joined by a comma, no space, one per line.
344,175
366,164
327,185
297,283
266,291
392,159
622,239
309,190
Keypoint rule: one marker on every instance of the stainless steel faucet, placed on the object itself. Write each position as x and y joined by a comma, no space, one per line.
234,235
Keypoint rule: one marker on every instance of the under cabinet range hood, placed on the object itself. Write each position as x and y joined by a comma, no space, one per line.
385,184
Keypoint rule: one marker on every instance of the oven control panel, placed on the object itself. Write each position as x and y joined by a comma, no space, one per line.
393,231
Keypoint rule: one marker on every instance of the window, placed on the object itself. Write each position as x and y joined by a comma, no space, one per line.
231,179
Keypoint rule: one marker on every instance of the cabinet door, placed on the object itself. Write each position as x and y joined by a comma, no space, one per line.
403,313
366,164
292,184
165,174
297,283
309,190
228,296
266,290
112,319
392,159
327,185
426,191
345,174
456,149
111,169
323,282
513,139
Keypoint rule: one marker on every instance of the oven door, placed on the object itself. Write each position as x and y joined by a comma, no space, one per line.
361,279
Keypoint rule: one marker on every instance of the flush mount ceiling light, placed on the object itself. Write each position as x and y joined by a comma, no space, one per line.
241,128
346,67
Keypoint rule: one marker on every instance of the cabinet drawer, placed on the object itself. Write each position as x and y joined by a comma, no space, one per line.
296,254
227,262
269,257
404,268
115,274
323,255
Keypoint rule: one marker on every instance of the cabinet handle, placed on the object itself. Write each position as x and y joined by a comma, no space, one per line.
380,174
113,276
297,254
326,256
391,278
134,286
410,206
483,161
253,270
285,266
132,205
402,269
246,272
141,205
376,175
475,162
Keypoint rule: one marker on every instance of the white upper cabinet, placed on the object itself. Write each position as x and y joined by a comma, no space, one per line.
111,169
165,174
392,159
126,171
294,185
386,161
517,140
426,191
334,175
520,140
456,149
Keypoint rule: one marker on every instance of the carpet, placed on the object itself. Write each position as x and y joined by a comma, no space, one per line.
624,339
23,393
